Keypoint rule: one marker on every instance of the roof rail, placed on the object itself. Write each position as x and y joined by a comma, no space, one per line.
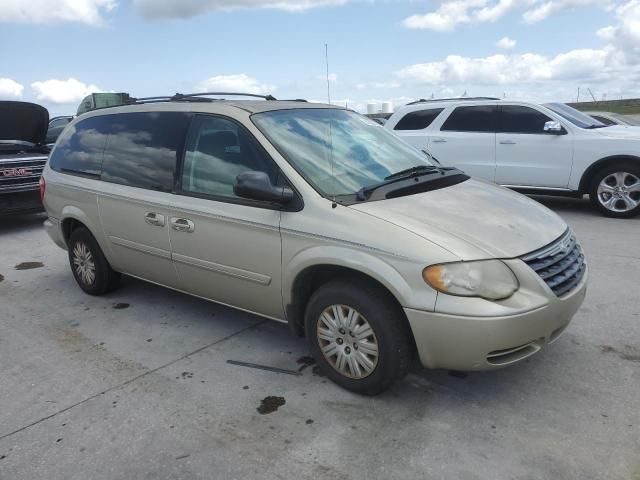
422,100
196,97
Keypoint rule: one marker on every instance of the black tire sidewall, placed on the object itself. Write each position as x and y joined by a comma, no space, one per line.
383,317
599,176
103,281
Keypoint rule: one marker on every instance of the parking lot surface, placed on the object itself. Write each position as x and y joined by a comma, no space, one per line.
136,384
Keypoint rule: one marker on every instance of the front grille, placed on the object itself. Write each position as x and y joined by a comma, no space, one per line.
561,264
21,173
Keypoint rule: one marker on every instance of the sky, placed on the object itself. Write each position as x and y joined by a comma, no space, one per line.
54,52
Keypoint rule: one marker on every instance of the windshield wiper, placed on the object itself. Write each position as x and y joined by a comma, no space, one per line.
396,177
409,172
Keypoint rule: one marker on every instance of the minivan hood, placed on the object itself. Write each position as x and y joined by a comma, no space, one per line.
473,220
23,121
620,131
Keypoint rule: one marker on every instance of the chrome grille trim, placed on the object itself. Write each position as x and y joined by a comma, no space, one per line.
561,264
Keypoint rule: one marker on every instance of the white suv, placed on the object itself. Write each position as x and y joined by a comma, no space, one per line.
551,148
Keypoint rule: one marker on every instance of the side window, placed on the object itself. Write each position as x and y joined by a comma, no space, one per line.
418,120
520,119
603,120
479,118
218,150
80,147
143,148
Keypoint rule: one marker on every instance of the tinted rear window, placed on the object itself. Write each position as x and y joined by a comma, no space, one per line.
79,149
479,118
143,148
418,120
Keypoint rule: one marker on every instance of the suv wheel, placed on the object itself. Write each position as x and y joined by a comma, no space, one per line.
358,336
89,265
615,191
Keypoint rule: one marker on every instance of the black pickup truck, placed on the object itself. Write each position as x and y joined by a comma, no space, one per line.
23,154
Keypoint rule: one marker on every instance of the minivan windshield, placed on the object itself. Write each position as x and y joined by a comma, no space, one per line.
338,151
578,118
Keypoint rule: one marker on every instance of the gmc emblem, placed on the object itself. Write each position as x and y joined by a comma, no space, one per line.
16,172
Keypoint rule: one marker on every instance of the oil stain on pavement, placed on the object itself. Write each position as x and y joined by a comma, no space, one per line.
270,404
29,265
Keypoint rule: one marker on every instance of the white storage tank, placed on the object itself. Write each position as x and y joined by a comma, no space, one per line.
371,108
387,107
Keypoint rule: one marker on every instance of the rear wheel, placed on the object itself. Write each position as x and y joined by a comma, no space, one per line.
89,265
358,336
615,191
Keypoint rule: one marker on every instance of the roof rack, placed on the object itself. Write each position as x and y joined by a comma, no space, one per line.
194,97
457,99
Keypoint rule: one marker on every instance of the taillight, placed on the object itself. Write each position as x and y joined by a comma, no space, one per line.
43,187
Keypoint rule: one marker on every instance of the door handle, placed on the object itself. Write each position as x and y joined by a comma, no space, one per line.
439,140
155,219
182,225
507,142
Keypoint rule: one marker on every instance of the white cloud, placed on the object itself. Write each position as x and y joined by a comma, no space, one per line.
10,89
191,8
576,65
63,91
625,36
506,43
235,83
55,11
452,13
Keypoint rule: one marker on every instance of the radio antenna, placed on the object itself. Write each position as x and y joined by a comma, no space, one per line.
326,58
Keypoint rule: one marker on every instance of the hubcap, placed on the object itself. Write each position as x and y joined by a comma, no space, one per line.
83,263
619,192
347,341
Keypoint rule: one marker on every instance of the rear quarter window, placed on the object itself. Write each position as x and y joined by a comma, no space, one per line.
79,149
418,120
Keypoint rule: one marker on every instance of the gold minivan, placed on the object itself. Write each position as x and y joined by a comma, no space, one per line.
315,216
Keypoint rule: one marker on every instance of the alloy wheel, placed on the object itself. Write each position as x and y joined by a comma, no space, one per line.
619,192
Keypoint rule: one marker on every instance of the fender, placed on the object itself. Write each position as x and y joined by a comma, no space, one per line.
71,211
595,166
367,264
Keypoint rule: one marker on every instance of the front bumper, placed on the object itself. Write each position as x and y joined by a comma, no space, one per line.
467,343
20,201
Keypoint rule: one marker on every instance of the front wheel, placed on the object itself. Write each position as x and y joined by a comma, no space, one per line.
358,336
615,191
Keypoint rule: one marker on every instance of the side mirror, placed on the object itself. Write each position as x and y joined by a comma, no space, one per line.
553,127
257,186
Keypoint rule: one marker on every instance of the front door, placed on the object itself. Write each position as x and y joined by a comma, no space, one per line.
226,248
526,155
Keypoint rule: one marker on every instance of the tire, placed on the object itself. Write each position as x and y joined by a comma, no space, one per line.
89,265
615,190
389,332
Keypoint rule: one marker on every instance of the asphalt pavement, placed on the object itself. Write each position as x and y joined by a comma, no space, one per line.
137,385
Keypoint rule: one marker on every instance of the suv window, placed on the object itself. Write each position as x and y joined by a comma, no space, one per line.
218,150
520,119
80,147
55,128
143,148
418,120
479,118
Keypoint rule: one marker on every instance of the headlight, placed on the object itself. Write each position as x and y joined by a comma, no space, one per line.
490,279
